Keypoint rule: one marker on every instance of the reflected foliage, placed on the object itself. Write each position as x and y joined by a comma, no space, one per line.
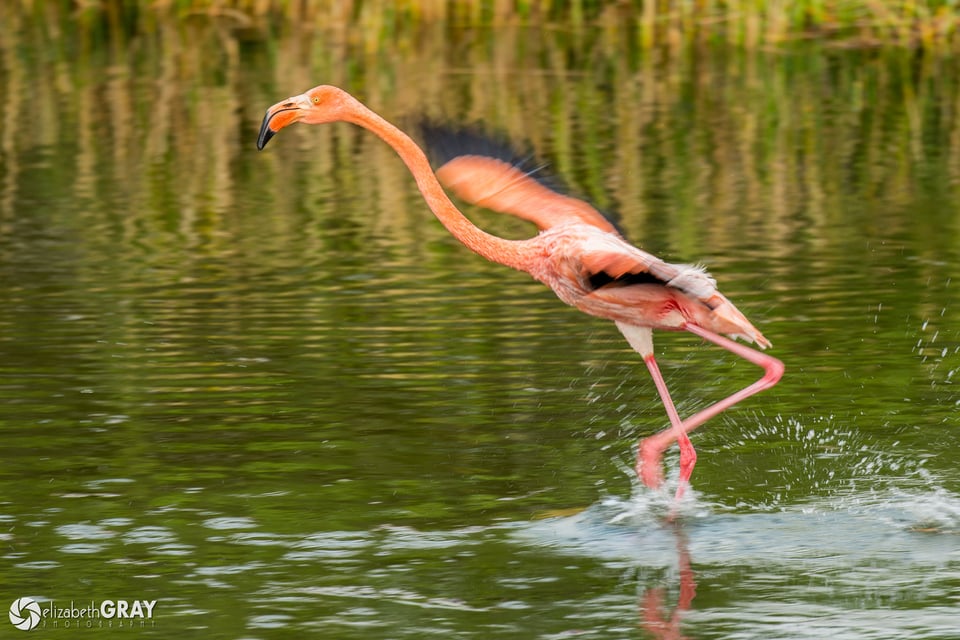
274,375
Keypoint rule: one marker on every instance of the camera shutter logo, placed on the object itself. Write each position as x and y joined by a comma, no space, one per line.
25,613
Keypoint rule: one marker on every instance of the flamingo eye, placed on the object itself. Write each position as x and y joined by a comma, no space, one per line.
316,99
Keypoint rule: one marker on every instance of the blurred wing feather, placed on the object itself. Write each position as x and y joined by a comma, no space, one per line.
502,187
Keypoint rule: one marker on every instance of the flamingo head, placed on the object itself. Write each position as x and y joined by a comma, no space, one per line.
319,105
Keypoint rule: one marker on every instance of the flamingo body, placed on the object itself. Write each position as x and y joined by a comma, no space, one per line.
602,275
578,253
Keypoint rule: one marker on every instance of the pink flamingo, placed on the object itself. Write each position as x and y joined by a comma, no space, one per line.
578,253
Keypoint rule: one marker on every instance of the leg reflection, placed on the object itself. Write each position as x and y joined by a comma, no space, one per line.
654,614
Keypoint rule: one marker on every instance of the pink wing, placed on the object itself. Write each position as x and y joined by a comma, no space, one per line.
502,187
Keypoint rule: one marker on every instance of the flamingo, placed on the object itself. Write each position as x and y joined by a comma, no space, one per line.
578,253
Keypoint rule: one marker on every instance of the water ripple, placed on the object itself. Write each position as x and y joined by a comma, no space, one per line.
83,531
226,524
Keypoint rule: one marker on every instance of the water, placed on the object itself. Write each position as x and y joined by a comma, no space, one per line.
271,393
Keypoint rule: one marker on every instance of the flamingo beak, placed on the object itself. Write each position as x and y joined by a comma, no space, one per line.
279,116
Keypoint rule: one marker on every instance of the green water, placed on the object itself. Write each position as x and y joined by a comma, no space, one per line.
270,392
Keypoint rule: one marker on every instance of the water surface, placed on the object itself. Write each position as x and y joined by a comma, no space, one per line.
270,391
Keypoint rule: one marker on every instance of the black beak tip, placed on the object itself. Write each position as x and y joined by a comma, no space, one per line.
264,139
265,133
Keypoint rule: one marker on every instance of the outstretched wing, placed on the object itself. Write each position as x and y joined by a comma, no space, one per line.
487,173
612,272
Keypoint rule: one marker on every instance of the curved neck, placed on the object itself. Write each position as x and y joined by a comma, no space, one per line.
506,252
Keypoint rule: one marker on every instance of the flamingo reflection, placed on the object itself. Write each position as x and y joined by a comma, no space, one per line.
655,615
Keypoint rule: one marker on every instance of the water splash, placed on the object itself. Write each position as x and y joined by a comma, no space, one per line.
819,458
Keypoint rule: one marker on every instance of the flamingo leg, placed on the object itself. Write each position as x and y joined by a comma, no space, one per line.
648,459
652,448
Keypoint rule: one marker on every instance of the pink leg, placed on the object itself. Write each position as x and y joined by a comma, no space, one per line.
648,460
652,448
